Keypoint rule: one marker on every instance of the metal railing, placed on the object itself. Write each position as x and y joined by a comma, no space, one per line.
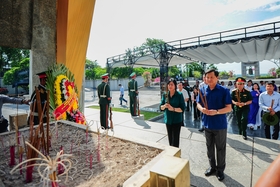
257,31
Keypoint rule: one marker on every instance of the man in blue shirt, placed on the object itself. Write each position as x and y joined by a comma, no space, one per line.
262,86
214,102
122,94
269,101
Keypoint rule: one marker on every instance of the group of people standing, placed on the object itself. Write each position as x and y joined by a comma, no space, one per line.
251,101
212,101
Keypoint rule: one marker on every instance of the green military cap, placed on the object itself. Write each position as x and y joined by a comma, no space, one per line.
240,79
105,76
132,74
270,119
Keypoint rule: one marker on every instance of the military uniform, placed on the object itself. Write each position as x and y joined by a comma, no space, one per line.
242,112
33,102
103,91
133,92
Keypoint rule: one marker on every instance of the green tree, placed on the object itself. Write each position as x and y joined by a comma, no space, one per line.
99,72
11,57
91,70
11,76
155,72
121,72
194,66
151,45
197,74
173,71
212,66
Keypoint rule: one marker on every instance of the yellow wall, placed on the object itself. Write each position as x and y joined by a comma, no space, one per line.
74,19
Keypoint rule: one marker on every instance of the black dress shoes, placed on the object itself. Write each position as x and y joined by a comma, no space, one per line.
220,175
210,171
201,129
245,137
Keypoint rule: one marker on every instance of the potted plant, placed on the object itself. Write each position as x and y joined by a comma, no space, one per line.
224,75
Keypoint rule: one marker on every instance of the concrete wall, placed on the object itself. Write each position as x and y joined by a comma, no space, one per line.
114,84
29,24
43,45
16,23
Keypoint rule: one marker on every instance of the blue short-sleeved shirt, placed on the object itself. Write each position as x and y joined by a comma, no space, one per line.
217,99
177,101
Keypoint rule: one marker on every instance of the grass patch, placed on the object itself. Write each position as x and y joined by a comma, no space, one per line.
147,115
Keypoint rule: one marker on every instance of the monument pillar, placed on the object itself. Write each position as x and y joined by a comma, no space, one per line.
74,19
43,43
250,69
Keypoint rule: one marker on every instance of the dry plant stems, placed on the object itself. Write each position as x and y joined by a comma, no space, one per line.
47,169
31,123
40,116
41,127
85,166
87,134
111,119
16,129
48,121
38,140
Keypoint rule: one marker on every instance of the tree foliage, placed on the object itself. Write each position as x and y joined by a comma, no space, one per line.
121,72
173,71
212,66
93,70
191,67
11,57
12,76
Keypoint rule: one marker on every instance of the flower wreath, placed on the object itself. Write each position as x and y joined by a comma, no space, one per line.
63,94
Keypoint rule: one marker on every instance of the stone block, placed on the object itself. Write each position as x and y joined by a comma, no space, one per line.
170,171
20,118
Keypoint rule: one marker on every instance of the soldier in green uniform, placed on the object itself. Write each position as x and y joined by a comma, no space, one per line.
103,91
43,98
133,92
241,98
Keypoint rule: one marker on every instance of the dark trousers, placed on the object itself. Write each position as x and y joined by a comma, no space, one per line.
189,106
275,134
173,132
196,112
132,104
3,125
122,99
104,115
218,139
242,120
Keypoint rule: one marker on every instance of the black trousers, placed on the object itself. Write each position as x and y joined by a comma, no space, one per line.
3,125
216,139
242,119
104,115
173,132
275,134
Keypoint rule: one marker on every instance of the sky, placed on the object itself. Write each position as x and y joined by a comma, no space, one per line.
119,25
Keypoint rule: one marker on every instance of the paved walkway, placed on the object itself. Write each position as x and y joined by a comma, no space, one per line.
246,160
